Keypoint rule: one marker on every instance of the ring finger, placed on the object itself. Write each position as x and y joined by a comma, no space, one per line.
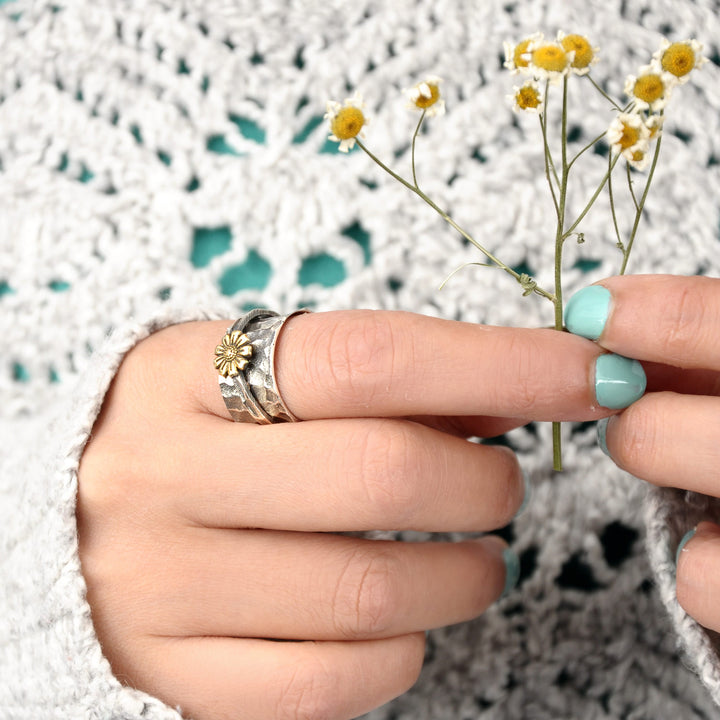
257,583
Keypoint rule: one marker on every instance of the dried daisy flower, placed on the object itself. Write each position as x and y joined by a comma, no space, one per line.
550,61
650,89
347,121
654,124
584,54
629,136
426,96
528,98
680,58
517,57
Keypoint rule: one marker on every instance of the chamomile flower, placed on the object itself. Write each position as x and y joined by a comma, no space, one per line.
528,98
585,54
517,57
679,58
654,124
630,137
550,61
426,96
347,120
650,89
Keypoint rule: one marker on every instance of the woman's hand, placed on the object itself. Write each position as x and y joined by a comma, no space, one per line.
671,437
203,542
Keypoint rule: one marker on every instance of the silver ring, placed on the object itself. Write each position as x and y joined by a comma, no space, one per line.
245,361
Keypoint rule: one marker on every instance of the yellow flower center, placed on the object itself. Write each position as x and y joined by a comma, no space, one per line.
550,57
678,59
520,50
423,101
347,123
638,156
582,48
527,97
630,136
230,352
649,88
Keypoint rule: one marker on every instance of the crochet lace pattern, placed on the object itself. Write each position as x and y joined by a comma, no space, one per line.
165,160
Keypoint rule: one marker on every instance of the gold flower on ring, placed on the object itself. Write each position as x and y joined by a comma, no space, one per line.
231,356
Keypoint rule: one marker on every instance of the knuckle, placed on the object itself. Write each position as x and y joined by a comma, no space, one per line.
521,365
366,597
358,353
308,693
637,450
387,460
687,327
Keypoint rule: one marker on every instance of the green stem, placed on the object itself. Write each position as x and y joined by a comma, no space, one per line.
604,94
549,162
641,205
587,147
559,240
412,154
611,198
592,200
630,186
499,263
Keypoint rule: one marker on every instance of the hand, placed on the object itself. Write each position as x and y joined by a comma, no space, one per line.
204,541
671,437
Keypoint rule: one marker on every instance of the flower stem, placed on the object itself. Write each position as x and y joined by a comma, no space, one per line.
412,155
604,94
559,240
413,188
640,206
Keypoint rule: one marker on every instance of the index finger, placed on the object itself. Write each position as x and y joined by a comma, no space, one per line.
395,364
666,319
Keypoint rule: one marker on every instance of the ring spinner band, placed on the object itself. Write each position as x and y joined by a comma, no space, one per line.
247,357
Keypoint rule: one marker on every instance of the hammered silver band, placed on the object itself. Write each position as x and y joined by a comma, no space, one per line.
247,380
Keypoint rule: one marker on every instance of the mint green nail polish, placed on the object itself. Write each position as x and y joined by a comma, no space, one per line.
689,534
526,497
619,381
602,435
587,311
512,571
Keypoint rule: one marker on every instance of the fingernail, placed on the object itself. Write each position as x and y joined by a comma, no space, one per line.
689,534
602,435
526,498
512,570
587,311
619,381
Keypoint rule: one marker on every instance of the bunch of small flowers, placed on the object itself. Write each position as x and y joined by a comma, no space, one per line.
543,64
632,131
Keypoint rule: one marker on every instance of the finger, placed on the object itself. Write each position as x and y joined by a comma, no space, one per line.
322,587
662,318
695,381
370,364
698,575
669,440
329,475
226,678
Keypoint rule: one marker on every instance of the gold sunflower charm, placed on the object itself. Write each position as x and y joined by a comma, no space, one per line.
231,356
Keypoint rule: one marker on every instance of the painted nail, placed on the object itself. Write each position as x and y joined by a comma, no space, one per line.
587,311
619,381
526,497
602,435
685,538
512,570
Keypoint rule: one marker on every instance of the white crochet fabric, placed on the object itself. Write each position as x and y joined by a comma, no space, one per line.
163,160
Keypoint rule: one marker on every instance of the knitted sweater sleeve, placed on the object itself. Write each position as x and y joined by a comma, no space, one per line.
51,663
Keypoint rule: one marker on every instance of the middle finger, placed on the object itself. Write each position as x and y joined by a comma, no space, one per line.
330,475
